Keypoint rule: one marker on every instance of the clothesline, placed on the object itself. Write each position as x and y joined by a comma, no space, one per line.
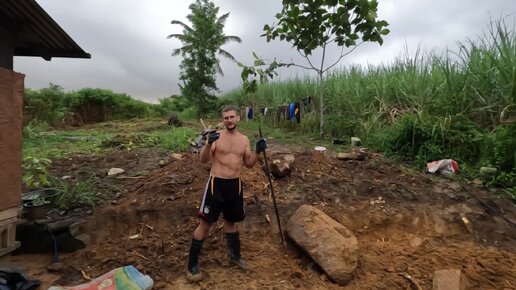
292,111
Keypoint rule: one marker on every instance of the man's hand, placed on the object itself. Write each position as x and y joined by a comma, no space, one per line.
261,145
212,136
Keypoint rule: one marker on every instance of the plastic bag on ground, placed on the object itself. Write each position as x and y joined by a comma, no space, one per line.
124,278
443,166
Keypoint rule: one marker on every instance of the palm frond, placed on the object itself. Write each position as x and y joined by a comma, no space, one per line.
222,19
182,50
176,51
184,25
218,68
178,36
226,54
230,38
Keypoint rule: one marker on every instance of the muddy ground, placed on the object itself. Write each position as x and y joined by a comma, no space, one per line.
405,221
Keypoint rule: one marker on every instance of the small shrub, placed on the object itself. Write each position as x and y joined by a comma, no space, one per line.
34,129
74,193
35,172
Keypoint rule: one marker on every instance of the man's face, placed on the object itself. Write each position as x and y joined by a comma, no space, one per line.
230,119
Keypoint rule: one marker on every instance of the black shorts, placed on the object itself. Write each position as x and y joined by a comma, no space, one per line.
223,195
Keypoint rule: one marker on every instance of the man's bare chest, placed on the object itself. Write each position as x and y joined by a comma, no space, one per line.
230,146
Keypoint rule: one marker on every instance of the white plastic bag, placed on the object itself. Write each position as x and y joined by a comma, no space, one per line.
443,166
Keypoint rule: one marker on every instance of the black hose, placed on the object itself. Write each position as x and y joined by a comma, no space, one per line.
55,257
489,208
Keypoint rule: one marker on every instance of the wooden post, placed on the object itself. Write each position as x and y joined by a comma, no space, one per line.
8,220
11,124
6,49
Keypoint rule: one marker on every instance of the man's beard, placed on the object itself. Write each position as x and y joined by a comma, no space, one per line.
231,128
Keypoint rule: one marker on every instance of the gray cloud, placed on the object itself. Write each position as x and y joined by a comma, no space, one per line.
130,52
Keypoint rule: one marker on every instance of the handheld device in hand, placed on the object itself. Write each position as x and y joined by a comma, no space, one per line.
208,131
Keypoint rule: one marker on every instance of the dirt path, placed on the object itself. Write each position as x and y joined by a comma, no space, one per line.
404,222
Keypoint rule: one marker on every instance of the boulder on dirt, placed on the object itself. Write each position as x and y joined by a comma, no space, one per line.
115,171
177,156
451,279
174,121
331,245
282,167
56,267
346,156
164,162
355,141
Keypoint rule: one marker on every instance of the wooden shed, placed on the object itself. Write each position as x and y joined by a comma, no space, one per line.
25,30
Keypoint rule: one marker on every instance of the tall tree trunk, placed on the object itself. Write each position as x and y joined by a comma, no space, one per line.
321,100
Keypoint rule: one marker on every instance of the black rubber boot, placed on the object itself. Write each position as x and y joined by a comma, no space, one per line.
233,243
193,274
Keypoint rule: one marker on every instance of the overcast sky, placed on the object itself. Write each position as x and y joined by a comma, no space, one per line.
130,52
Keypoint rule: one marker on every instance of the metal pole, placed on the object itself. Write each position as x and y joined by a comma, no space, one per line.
272,189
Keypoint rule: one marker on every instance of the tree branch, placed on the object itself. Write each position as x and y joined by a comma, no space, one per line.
322,59
301,66
307,58
342,55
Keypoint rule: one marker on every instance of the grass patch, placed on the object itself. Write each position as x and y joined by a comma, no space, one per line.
75,193
177,139
59,144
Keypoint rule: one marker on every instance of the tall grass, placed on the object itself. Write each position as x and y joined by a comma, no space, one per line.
456,104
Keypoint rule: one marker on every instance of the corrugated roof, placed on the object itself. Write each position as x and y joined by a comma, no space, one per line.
35,33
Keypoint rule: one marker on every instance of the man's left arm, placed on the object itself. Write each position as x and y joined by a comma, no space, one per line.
250,156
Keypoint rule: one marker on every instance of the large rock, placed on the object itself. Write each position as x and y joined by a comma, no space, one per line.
351,156
282,167
115,171
174,121
449,280
331,245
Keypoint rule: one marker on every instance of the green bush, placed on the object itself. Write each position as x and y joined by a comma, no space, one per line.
46,105
499,148
34,129
176,104
35,174
51,105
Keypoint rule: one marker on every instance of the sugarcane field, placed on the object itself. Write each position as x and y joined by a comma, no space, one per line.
245,145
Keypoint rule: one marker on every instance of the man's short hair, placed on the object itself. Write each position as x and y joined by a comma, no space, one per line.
230,108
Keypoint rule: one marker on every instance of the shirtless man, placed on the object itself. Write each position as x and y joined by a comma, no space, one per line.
227,150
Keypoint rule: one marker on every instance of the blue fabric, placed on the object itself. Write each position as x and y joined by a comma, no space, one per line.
250,113
292,109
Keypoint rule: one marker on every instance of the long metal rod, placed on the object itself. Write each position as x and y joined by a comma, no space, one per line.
272,189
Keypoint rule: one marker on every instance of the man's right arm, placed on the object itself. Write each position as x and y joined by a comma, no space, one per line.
206,153
209,147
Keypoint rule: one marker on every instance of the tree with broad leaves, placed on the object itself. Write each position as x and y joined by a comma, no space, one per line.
202,42
316,24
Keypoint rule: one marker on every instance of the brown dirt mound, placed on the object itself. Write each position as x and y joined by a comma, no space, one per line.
404,222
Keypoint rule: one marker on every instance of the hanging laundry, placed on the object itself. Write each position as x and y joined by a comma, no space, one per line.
250,113
292,110
286,112
297,112
307,104
279,113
